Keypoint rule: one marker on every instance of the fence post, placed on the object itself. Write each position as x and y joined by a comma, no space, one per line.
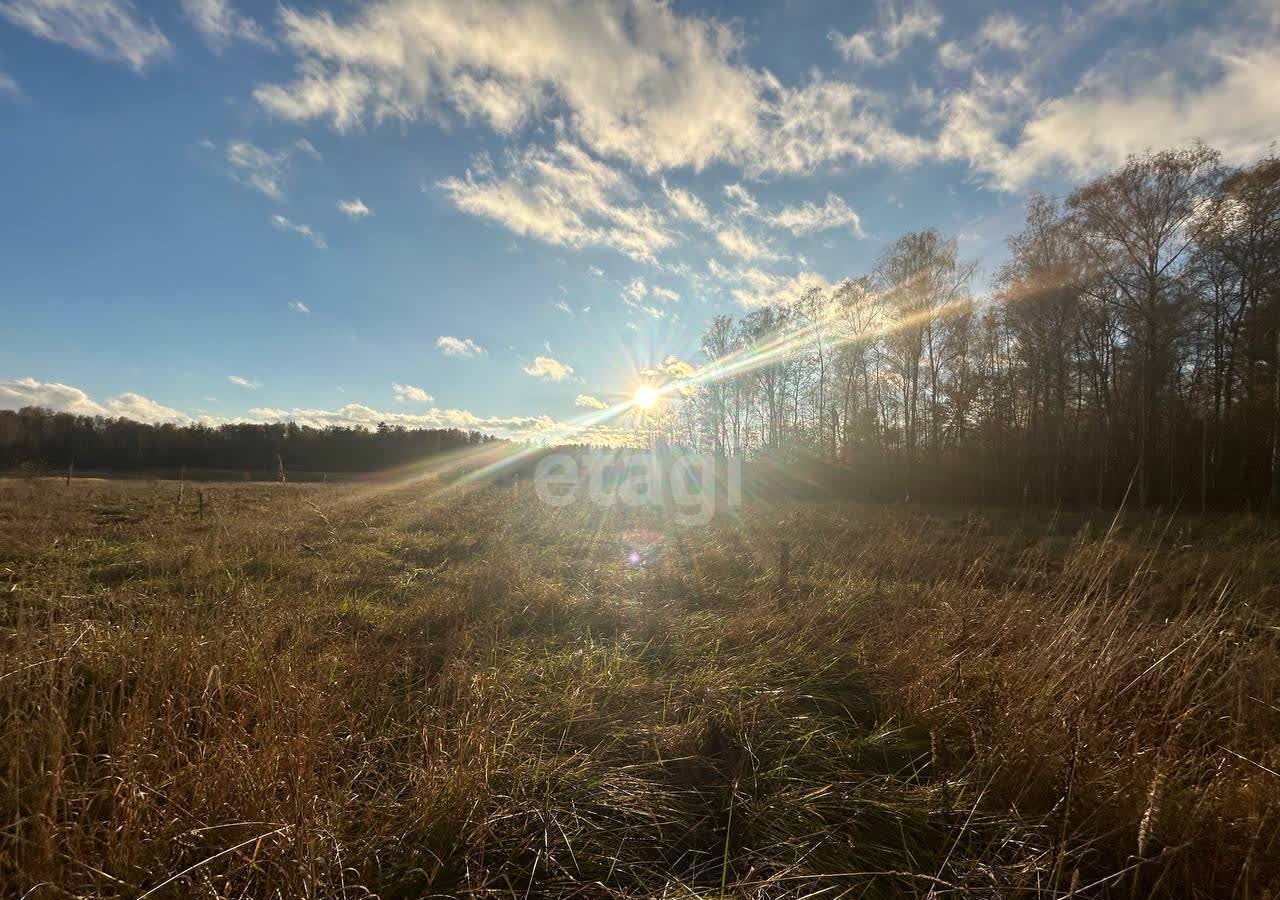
200,501
784,571
71,468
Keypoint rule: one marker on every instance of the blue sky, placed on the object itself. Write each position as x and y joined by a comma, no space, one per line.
479,214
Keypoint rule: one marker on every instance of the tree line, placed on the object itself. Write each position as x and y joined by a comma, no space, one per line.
33,435
1130,347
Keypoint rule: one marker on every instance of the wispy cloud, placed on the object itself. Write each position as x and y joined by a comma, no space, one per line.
257,168
744,246
635,294
563,196
549,368
241,381
299,306
221,24
354,208
306,231
679,93
455,346
799,219
740,198
586,401
1004,31
808,217
1211,83
687,204
411,392
9,86
898,25
265,171
753,287
106,29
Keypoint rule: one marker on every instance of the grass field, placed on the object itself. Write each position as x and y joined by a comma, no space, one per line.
348,691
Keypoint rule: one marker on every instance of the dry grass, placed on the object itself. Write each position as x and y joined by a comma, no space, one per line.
335,692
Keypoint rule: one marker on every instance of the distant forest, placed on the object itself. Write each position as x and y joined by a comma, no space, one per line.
40,436
1130,347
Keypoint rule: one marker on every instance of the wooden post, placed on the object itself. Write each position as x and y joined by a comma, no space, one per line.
200,502
71,470
784,571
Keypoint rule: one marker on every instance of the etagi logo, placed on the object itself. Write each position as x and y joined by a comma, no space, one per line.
691,486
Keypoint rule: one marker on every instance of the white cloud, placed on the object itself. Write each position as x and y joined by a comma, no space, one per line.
808,217
405,392
144,409
299,306
686,204
257,168
1235,110
221,24
741,199
9,86
106,29
665,294
1211,83
634,295
357,415
826,122
354,208
243,382
586,401
302,145
297,228
898,25
635,290
51,395
64,398
265,171
564,307
627,79
744,246
453,346
548,368
540,428
954,56
1004,31
563,196
755,287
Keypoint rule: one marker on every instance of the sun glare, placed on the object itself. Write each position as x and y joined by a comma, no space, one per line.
646,396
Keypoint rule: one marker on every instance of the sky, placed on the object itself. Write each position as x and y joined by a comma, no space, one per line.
498,214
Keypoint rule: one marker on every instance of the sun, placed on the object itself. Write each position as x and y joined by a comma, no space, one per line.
646,396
